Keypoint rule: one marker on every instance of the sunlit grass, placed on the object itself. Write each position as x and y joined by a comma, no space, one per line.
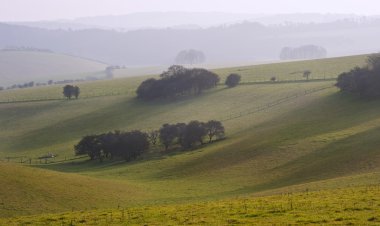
324,140
349,206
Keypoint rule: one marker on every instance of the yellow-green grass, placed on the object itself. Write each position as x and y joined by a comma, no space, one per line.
324,136
324,68
348,206
321,69
318,137
35,128
126,87
26,190
25,66
321,138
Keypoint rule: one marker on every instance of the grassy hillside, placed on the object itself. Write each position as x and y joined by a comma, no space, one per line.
321,69
26,190
349,206
25,66
36,128
311,140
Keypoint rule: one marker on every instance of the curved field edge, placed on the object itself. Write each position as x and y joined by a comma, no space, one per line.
25,66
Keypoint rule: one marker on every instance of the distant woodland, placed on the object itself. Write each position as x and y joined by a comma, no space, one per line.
241,42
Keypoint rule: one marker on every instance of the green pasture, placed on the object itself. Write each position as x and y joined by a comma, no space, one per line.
311,158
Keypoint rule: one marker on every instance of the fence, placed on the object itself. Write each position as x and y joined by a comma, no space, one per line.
88,96
38,161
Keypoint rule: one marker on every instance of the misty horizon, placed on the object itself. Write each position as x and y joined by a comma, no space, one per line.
46,10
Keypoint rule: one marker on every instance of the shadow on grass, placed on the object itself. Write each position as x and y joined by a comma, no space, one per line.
338,159
104,119
96,165
332,113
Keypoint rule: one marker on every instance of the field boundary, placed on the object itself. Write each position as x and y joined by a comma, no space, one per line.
10,101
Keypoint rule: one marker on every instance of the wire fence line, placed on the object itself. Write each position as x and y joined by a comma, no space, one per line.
39,160
88,96
272,104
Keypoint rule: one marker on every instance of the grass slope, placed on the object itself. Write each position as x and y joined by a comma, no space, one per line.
24,66
324,68
26,190
307,142
349,206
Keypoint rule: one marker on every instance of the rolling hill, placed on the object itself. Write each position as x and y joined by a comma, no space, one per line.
244,42
25,66
287,136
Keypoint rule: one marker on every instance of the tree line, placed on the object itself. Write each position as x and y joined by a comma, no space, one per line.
130,145
364,81
303,52
177,81
191,134
190,56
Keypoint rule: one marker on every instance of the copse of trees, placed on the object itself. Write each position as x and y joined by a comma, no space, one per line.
364,81
70,91
190,56
303,52
232,80
130,145
177,81
124,145
190,135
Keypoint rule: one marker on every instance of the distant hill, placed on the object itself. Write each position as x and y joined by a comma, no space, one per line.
183,20
241,42
24,66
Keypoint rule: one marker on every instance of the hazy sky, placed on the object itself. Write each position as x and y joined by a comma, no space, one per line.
23,10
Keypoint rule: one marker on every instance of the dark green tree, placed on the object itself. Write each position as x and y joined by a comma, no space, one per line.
68,91
168,133
232,80
177,81
194,132
306,74
132,144
364,81
76,92
214,128
153,136
90,145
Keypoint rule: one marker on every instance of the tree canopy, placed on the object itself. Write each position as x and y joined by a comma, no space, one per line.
191,134
364,81
177,81
303,52
190,56
125,145
130,145
233,80
69,91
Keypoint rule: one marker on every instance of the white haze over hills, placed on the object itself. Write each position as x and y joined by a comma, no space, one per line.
185,20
